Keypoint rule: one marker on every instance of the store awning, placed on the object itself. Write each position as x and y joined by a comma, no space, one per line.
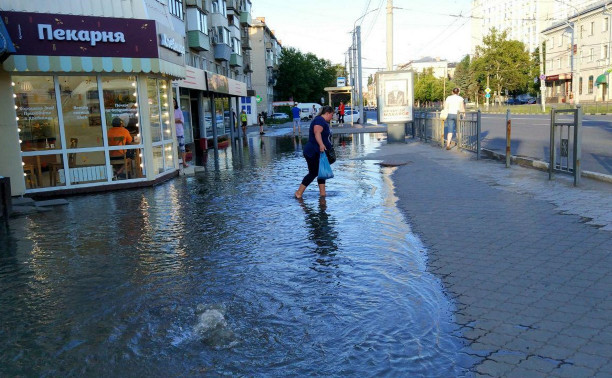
601,79
31,63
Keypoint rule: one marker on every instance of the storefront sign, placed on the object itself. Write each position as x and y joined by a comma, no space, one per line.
67,35
395,96
217,83
237,88
195,78
171,44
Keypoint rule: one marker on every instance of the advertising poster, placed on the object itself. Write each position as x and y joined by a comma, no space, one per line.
395,96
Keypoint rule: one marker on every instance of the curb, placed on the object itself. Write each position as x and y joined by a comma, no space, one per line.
541,165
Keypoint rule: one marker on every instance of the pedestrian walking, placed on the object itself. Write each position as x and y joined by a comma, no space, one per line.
260,120
454,105
319,140
341,113
179,122
295,111
243,120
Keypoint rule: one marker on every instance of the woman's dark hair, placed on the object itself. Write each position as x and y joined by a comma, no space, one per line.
456,90
326,109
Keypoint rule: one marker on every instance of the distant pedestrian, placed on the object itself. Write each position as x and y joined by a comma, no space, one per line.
295,111
260,120
319,140
341,113
243,119
313,113
453,104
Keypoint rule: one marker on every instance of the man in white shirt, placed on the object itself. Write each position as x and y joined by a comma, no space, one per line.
454,104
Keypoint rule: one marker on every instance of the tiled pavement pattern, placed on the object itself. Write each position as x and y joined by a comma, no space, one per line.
530,278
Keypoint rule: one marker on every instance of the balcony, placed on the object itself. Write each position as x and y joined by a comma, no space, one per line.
234,31
236,60
245,19
218,19
246,43
269,63
195,3
233,6
198,40
223,52
248,68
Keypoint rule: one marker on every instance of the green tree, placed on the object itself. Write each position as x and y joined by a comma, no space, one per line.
303,76
505,62
428,88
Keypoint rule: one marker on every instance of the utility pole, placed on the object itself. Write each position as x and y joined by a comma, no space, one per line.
359,75
351,73
543,81
577,64
487,93
389,35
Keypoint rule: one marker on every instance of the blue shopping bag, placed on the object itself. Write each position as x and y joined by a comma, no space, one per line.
325,171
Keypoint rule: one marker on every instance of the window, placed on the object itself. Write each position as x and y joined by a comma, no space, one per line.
176,8
605,26
202,22
604,52
236,48
223,35
560,40
552,43
592,54
591,84
558,62
592,28
219,6
581,31
580,86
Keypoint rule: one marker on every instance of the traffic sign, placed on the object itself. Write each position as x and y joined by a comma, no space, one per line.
542,77
488,90
488,94
258,98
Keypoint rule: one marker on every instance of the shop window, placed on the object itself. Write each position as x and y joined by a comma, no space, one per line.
168,157
155,120
158,160
580,86
81,110
127,164
590,84
121,102
41,171
166,110
36,113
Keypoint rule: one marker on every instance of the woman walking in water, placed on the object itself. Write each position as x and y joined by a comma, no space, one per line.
319,140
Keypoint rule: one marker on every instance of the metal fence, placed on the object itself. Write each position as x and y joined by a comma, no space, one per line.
429,127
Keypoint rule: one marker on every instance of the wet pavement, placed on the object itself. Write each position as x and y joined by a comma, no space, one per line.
224,273
526,260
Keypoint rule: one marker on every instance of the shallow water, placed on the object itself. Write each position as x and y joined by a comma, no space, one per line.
226,273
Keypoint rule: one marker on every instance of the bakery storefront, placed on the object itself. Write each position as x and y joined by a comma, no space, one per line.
88,103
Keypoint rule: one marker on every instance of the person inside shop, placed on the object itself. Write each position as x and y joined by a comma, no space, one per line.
118,135
179,121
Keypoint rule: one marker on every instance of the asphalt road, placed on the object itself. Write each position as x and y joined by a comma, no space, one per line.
530,137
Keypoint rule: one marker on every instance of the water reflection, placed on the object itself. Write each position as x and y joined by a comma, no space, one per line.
225,273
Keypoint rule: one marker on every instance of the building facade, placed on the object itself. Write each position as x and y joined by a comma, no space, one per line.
82,69
265,59
581,73
438,66
523,19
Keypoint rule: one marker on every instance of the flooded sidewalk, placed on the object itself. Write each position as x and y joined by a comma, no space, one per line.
224,272
526,260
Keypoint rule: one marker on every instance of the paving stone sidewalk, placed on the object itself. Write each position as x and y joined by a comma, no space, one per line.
527,261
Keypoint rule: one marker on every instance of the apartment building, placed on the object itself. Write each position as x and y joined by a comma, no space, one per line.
523,19
581,73
265,59
73,71
439,67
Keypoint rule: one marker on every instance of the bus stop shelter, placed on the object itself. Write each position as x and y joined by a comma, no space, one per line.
338,90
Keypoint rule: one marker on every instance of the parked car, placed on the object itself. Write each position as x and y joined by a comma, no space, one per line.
351,116
279,116
525,98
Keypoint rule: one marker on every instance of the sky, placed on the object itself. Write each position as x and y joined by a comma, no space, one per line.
420,28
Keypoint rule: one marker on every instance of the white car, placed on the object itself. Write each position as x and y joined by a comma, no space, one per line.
351,116
279,116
